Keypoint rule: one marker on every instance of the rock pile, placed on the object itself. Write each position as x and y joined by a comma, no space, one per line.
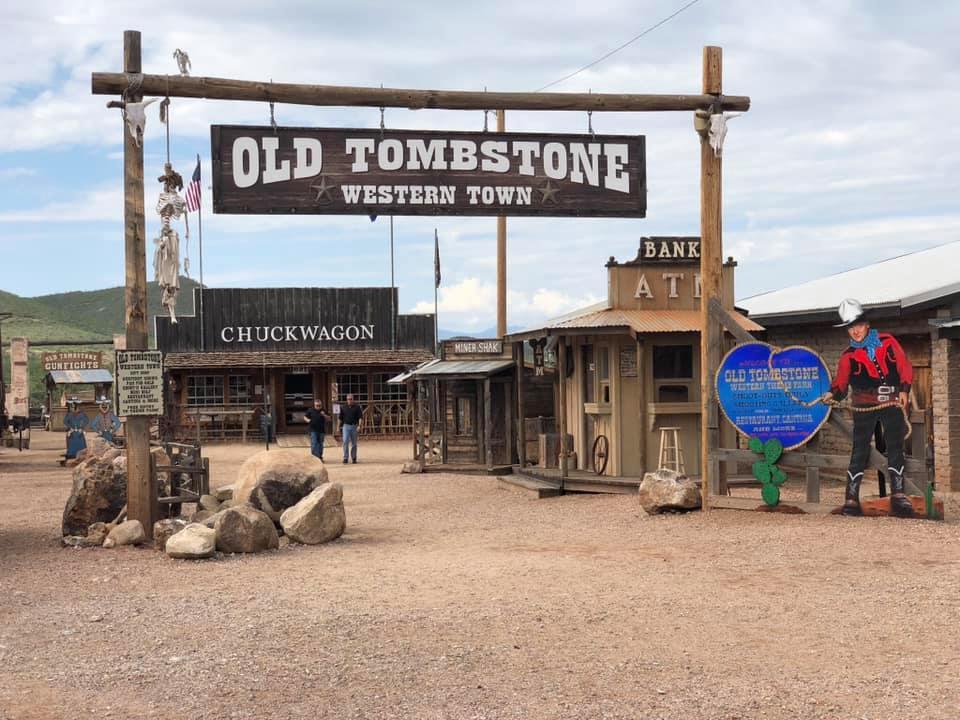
277,491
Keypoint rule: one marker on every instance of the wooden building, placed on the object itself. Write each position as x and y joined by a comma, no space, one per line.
469,401
248,353
630,366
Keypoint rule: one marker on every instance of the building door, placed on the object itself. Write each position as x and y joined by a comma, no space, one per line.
297,399
917,349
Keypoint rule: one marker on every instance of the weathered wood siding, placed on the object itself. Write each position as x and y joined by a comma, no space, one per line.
295,319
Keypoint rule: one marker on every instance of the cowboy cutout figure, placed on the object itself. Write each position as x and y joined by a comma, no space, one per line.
877,370
105,423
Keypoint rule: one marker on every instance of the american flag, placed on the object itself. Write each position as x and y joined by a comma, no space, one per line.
193,190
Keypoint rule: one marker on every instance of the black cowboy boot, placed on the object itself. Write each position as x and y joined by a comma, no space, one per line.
900,506
851,506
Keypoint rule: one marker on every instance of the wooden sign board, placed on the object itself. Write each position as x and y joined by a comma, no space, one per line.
18,398
410,172
474,347
628,361
71,360
139,382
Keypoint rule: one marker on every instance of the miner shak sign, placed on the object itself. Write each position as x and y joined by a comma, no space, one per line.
408,172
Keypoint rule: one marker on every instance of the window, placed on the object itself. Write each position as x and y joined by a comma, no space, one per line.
586,358
352,384
673,372
384,392
464,415
240,387
205,390
672,362
603,373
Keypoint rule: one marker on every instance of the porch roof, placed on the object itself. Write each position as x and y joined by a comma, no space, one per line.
615,320
455,368
80,377
293,358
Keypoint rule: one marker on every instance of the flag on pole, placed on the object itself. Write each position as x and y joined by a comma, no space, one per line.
436,259
193,190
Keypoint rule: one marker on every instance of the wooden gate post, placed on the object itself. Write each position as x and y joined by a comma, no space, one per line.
141,494
711,257
501,255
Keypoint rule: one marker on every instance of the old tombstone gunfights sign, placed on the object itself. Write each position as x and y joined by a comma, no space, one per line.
399,172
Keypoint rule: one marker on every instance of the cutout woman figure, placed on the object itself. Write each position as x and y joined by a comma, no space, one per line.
76,421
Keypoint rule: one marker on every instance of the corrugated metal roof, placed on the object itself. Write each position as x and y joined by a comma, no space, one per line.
462,367
905,280
80,377
304,358
644,321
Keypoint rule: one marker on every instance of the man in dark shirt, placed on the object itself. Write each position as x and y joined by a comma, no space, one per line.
351,420
318,428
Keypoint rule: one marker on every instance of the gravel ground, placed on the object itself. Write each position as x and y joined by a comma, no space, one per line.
450,598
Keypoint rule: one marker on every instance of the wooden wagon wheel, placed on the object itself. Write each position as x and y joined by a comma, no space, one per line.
599,454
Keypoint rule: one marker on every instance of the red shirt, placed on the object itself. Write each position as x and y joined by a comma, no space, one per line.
873,381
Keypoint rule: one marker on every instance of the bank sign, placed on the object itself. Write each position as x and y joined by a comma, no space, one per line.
405,172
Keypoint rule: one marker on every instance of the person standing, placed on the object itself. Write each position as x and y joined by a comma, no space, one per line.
351,420
75,421
875,367
318,428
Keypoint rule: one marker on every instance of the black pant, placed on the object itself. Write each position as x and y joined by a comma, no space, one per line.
894,431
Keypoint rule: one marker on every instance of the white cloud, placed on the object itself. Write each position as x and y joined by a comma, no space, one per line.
471,304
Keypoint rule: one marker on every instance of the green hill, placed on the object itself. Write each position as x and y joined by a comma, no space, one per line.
93,316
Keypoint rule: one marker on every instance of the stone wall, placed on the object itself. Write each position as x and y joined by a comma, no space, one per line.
946,413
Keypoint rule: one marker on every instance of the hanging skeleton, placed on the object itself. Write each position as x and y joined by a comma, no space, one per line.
166,254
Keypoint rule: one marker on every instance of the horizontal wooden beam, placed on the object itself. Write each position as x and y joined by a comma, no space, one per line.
800,459
344,96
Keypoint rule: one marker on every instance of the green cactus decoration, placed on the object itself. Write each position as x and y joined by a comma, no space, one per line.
766,470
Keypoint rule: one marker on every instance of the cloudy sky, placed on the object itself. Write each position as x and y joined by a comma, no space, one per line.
847,156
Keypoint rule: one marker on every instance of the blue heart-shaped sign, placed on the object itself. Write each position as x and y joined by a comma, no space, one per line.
762,390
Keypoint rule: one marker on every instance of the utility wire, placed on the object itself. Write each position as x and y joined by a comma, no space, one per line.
616,50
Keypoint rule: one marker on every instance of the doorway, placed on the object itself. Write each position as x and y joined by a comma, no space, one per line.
297,398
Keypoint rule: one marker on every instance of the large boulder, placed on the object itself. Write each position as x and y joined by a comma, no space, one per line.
274,480
244,529
98,495
165,529
668,491
318,518
194,542
126,533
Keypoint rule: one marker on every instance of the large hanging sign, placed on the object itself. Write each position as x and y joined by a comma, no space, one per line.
763,391
139,382
408,172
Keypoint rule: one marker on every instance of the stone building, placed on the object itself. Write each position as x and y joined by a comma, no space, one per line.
916,297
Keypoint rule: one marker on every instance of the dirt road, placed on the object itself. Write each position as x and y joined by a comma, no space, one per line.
450,598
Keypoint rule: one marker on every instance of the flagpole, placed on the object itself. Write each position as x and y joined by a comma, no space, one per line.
200,244
436,285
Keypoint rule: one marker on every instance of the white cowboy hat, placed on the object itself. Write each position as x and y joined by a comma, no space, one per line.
850,311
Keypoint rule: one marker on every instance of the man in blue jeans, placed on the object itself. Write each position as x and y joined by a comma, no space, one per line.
318,428
351,420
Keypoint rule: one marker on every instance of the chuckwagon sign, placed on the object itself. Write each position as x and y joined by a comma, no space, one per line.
764,392
406,172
